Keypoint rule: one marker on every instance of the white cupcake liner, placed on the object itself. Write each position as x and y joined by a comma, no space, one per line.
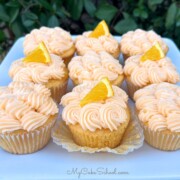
161,140
27,142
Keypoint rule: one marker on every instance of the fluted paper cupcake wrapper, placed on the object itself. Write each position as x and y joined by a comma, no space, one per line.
58,91
132,139
160,140
27,142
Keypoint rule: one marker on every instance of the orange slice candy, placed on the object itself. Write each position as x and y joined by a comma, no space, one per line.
155,53
100,92
39,54
100,30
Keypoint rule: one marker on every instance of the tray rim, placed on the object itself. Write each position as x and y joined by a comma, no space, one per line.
174,176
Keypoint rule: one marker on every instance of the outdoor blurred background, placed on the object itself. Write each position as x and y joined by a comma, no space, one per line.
18,17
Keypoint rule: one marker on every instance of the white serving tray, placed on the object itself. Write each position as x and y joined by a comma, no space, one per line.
54,162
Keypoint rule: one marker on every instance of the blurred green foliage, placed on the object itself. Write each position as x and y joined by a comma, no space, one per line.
18,17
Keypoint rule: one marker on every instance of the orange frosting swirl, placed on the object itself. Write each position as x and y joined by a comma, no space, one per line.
71,113
149,72
84,44
25,106
93,67
8,123
107,114
173,122
15,108
139,41
69,97
4,91
118,92
157,122
118,100
56,39
88,85
90,117
33,120
112,114
38,72
158,105
147,92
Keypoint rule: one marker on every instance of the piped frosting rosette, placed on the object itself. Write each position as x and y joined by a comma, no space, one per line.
94,66
38,72
139,41
84,43
25,106
57,40
109,114
139,74
149,72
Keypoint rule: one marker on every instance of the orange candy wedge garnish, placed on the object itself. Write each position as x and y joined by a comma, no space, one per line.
100,92
155,53
39,54
100,30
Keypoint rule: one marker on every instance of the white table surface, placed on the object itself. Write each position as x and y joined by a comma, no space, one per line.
53,162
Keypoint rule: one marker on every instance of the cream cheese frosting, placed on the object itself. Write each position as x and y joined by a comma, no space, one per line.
94,66
149,72
38,72
84,44
25,106
139,41
108,115
158,106
56,40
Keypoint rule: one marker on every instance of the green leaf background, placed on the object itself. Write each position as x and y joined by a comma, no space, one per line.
18,17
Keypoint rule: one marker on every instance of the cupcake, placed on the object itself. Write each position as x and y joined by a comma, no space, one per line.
158,109
53,75
139,74
139,41
27,115
57,40
94,66
97,124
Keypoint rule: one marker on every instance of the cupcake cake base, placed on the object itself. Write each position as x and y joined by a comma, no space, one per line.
68,55
98,139
163,140
58,88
